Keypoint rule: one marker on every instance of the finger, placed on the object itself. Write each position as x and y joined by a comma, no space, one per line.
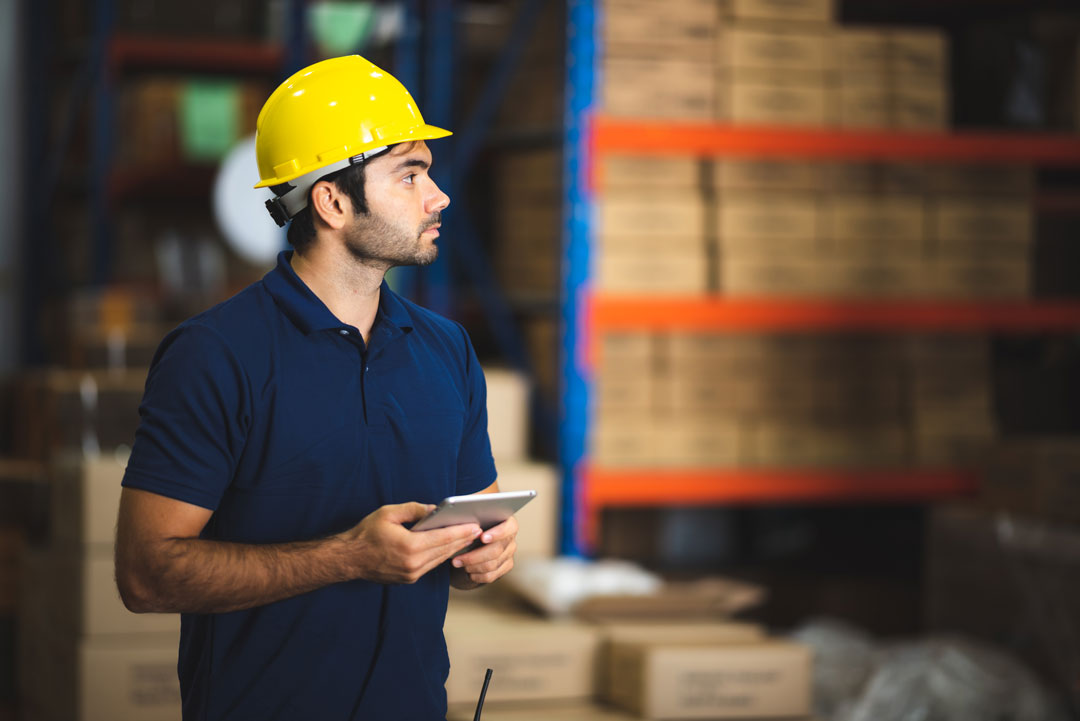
492,576
506,529
455,537
487,558
406,512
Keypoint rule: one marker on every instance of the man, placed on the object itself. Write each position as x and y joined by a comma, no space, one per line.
291,434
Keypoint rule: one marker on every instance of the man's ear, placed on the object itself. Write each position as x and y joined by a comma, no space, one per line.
329,205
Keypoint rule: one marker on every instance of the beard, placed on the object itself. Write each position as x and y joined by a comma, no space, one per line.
374,240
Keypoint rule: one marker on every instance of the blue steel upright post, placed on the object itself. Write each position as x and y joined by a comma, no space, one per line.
577,211
439,91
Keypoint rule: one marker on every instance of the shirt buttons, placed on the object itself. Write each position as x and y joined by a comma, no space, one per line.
343,332
367,368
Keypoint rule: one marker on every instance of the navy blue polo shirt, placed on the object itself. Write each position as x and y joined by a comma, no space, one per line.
277,416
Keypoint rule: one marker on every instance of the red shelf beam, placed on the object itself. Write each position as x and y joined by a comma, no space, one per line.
611,135
719,313
142,52
602,488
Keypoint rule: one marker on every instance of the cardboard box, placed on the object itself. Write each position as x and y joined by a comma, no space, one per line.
696,443
624,392
921,51
656,215
79,590
643,173
881,277
802,51
920,107
790,444
663,273
666,681
616,441
862,52
765,249
689,633
860,106
871,250
86,411
1017,180
978,279
788,11
705,393
887,218
987,219
538,521
626,351
533,659
101,679
644,21
735,174
575,712
508,413
85,500
771,103
641,88
769,278
751,216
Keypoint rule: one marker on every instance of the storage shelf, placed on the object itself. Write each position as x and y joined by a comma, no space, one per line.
182,181
611,135
718,313
601,488
205,55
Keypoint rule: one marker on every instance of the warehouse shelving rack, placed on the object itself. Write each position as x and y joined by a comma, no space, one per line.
588,135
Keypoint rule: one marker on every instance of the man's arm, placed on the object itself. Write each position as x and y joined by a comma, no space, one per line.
490,562
163,566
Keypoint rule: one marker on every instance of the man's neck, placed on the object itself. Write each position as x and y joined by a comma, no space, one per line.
346,286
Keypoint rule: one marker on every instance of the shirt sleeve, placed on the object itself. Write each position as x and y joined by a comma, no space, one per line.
194,416
476,466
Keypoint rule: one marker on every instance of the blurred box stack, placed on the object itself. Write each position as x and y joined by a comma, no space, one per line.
658,59
528,223
508,403
703,400
667,667
651,227
82,655
873,230
889,78
951,399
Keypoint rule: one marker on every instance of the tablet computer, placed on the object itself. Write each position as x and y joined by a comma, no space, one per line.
485,509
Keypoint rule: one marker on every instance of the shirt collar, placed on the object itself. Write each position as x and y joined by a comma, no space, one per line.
310,314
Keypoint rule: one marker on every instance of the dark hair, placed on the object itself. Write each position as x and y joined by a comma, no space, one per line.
350,181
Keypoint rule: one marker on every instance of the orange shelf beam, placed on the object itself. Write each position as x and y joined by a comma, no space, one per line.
141,51
605,488
610,135
719,313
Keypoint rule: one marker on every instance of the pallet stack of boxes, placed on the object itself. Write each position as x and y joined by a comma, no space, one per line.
591,669
660,668
80,654
792,228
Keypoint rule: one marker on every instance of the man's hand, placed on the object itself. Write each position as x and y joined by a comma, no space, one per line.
491,561
387,552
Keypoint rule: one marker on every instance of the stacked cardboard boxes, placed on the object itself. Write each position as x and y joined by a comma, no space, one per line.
651,227
724,401
82,655
764,62
528,223
508,398
659,669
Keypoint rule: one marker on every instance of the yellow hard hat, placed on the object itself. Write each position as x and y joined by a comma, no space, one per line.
326,117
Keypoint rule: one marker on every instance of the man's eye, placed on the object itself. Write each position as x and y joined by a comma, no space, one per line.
409,177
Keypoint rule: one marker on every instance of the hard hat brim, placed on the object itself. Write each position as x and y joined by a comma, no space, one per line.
423,132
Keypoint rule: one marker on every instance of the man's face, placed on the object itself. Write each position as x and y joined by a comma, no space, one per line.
406,208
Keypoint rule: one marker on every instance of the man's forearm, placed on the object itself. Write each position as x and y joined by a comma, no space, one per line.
191,575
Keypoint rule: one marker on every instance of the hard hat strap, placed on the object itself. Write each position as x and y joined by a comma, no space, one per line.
294,197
